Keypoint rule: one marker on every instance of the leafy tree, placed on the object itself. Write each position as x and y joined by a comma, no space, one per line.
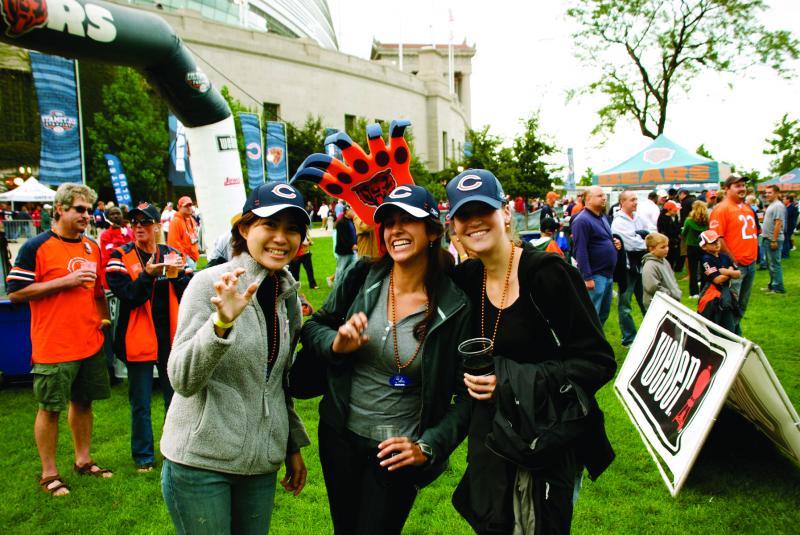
133,126
703,151
485,149
303,141
531,176
649,49
588,178
785,146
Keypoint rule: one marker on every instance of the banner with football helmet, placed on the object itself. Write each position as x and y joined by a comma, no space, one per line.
93,29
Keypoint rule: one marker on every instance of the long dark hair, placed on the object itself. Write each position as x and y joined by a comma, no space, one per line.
440,262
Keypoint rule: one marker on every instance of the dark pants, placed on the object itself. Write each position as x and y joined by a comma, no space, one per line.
693,254
364,498
305,260
140,391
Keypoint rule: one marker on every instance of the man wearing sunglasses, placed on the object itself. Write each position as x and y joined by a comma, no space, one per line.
56,272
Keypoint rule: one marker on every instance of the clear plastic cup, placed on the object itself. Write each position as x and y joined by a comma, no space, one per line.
173,265
477,355
89,266
385,432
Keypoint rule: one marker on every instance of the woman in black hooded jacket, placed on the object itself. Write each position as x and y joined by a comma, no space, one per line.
550,357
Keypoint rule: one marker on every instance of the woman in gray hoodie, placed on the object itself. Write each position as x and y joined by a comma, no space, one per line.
657,274
231,425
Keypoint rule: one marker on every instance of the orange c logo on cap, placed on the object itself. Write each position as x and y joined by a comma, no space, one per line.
469,183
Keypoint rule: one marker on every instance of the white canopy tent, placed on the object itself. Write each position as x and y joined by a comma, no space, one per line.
30,191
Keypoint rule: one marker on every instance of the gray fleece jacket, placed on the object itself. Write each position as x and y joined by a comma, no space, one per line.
657,276
225,415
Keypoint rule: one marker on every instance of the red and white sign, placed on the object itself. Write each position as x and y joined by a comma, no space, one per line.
680,371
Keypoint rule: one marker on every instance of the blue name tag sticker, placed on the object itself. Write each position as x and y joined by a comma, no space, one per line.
399,380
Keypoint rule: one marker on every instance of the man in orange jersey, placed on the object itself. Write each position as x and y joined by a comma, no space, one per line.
56,272
183,232
735,222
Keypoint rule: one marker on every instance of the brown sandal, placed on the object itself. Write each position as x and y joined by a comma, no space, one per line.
91,469
45,483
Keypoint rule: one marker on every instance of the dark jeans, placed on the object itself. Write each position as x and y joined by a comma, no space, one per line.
140,392
788,240
207,502
364,498
305,261
693,255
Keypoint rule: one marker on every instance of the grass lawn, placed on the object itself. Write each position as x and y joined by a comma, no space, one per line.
739,484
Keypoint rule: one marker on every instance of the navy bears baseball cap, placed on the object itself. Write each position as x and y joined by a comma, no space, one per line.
475,185
413,199
272,197
147,210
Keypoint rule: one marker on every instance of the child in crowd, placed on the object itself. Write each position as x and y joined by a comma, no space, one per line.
657,274
547,242
717,302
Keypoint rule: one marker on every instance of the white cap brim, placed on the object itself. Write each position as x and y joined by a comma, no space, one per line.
267,211
413,210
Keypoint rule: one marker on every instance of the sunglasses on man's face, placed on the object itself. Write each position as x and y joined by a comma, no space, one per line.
80,209
142,222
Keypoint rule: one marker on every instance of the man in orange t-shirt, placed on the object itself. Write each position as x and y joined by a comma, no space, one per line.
735,222
183,232
56,272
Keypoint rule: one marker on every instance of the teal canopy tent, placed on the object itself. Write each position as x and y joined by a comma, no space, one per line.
664,163
787,182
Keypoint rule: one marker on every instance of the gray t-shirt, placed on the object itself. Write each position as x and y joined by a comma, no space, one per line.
775,211
373,401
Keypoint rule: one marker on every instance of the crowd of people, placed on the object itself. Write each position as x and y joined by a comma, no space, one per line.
721,239
398,394
396,400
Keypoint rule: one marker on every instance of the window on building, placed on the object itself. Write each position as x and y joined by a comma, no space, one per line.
17,107
459,78
349,122
453,150
444,149
272,111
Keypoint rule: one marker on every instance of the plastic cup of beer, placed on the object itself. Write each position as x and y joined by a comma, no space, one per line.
173,262
89,266
477,355
385,432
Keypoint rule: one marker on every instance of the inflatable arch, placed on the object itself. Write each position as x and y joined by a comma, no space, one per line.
93,29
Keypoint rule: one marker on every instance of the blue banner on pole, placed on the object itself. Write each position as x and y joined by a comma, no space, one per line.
180,173
56,91
277,155
467,149
251,129
118,180
571,171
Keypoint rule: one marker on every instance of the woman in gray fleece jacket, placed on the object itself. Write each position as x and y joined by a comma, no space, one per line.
231,425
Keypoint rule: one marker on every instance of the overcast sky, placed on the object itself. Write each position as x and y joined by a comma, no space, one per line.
525,63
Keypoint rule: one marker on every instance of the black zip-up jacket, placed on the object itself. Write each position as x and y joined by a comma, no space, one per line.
569,340
444,415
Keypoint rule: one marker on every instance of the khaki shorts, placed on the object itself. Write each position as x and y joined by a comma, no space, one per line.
82,381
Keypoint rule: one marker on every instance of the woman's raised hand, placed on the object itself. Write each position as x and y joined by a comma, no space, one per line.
229,301
350,335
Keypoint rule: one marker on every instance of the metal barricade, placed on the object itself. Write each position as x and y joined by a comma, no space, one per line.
20,229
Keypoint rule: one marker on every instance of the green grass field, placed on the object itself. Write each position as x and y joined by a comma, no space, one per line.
739,484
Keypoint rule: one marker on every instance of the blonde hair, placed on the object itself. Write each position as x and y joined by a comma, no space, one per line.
699,212
66,193
654,239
